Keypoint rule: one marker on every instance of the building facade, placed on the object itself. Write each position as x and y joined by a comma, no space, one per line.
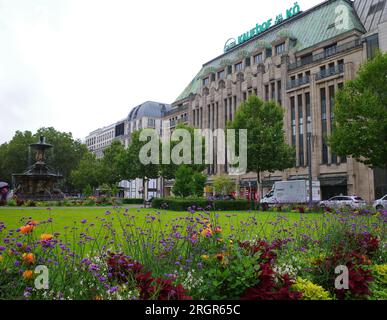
146,115
300,63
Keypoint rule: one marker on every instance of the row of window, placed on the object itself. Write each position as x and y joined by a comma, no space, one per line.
256,59
101,138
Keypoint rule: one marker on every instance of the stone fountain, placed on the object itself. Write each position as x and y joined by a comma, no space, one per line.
39,182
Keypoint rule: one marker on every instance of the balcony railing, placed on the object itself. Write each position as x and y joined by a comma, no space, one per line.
321,56
298,82
330,72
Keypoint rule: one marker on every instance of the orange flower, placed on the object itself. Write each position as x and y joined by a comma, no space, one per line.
32,223
98,298
218,230
28,258
46,237
207,233
28,274
26,229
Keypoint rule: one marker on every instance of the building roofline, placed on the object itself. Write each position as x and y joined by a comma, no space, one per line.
257,37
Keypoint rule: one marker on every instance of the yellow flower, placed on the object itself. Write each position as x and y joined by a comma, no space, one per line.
205,257
1,259
28,274
46,237
28,258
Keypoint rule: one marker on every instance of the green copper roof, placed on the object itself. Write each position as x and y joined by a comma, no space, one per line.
309,28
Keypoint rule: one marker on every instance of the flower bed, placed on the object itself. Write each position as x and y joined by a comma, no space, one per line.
118,256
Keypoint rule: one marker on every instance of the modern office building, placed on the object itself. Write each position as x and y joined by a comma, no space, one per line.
299,62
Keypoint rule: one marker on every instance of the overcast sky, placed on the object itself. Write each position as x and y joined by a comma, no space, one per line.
78,65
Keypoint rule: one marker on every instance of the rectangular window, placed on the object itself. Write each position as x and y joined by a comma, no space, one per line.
308,122
238,67
332,106
324,128
229,70
269,52
279,90
280,48
206,82
293,119
306,59
273,91
331,50
300,131
372,46
221,74
247,62
267,92
258,58
225,111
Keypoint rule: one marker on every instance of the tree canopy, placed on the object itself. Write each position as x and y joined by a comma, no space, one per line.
266,146
66,155
360,115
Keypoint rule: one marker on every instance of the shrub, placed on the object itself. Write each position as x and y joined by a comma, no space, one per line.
231,205
12,203
379,286
310,291
132,201
176,204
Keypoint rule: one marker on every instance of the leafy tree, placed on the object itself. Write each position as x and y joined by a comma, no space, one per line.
223,185
131,167
168,171
266,146
14,155
88,191
198,183
66,154
88,172
360,114
183,186
188,182
111,163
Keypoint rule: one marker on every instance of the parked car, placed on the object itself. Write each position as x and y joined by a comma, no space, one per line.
381,203
350,202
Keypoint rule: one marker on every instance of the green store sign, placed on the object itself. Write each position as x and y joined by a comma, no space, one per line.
261,27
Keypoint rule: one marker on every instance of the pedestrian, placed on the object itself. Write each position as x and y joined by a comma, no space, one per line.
3,193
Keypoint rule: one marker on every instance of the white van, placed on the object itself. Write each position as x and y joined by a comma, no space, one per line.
292,192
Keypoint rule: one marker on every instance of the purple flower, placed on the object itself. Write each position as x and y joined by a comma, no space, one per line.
2,248
83,221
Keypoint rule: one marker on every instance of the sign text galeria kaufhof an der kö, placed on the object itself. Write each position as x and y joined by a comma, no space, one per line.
259,28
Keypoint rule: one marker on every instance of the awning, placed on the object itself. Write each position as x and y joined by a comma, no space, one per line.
333,181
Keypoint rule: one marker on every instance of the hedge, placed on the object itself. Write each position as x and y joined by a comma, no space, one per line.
176,204
132,201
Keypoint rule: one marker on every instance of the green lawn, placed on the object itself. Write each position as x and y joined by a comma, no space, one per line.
255,223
